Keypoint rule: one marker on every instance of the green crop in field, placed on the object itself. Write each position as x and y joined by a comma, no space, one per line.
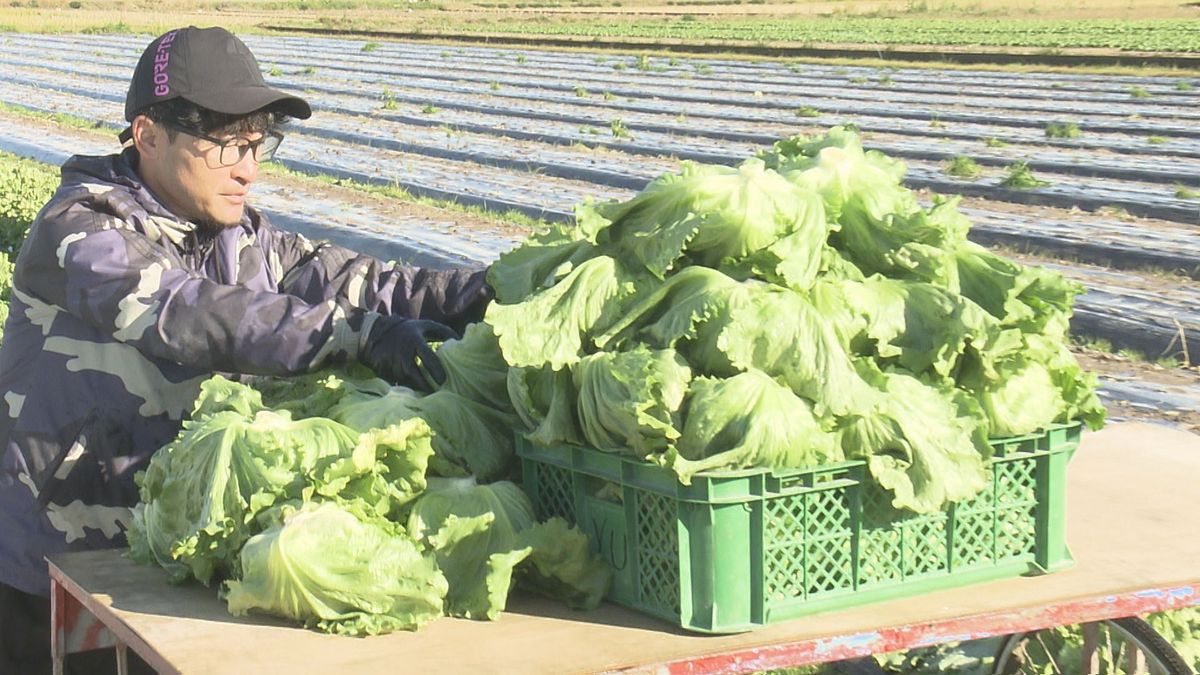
807,111
1062,130
25,186
1185,192
370,47
618,128
994,142
1021,177
1170,35
962,167
1138,92
1156,140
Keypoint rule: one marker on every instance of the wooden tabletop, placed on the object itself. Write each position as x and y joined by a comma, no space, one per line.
1132,527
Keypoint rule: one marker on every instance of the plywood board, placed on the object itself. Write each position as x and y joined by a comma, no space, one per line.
1131,521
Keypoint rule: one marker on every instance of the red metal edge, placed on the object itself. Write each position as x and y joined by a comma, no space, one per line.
824,650
70,592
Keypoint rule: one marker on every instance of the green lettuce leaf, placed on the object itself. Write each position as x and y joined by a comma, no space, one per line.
923,326
551,325
367,410
538,263
385,470
469,438
545,402
201,491
562,566
473,530
713,213
748,420
327,568
661,315
924,443
629,401
779,332
475,367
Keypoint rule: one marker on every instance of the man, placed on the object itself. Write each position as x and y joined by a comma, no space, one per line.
146,273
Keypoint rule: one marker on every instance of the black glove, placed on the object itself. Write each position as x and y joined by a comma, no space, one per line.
396,344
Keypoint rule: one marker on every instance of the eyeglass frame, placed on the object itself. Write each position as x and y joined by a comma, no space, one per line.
252,147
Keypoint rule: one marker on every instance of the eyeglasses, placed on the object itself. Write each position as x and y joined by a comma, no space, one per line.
234,150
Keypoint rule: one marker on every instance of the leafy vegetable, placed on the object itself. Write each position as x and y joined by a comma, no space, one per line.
561,566
365,410
748,420
924,443
202,490
302,518
550,326
663,315
545,402
327,567
385,469
543,259
712,213
807,287
779,332
630,400
469,437
475,367
473,531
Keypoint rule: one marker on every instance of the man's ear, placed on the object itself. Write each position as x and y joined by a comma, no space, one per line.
149,138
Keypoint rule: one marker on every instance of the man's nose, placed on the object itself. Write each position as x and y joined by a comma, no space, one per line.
245,171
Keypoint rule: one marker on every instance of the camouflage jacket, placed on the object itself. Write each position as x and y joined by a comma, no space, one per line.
120,309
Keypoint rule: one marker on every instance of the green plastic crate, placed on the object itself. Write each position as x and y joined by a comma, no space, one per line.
737,550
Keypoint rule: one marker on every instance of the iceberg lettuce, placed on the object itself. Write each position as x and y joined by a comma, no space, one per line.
748,420
328,567
629,401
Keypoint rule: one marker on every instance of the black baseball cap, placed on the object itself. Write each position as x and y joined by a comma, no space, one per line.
210,67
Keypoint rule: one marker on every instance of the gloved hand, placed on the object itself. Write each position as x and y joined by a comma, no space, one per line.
395,344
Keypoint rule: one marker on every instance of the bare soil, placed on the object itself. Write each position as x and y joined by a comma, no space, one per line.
1118,368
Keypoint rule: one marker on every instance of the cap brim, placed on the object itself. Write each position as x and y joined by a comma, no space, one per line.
245,100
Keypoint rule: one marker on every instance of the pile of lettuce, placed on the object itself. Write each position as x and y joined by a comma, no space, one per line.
334,500
799,309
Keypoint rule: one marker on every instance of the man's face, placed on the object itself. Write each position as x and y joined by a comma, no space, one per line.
196,184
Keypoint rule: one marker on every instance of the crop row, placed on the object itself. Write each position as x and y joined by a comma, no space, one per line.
1131,35
471,126
457,121
1108,310
766,85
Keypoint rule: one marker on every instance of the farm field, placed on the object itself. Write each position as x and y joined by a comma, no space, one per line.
1115,159
1035,29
